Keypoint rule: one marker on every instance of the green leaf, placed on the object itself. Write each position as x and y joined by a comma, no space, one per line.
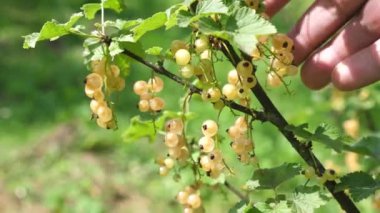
208,7
123,24
251,185
360,185
279,207
245,25
307,199
91,9
172,14
272,178
319,136
243,207
367,146
139,129
115,49
51,30
156,21
156,51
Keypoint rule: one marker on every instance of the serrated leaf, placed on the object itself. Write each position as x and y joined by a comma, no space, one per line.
272,178
91,9
172,15
251,185
279,207
245,25
367,146
319,136
123,24
156,21
360,185
115,49
243,207
139,129
307,199
51,30
156,51
210,7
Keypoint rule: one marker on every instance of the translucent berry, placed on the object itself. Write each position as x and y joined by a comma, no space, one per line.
249,81
174,126
171,140
209,128
115,71
164,170
213,94
244,68
94,81
169,163
156,104
177,45
187,71
182,197
233,77
201,44
230,91
140,87
206,144
282,42
182,57
273,80
194,201
144,105
104,113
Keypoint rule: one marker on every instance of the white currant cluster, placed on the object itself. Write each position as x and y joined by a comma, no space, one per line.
190,199
147,91
240,81
211,159
175,141
281,61
242,145
105,77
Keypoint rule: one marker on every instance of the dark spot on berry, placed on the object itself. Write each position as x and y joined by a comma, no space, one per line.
246,64
227,130
168,155
208,96
201,147
250,80
241,90
285,44
204,127
208,173
212,156
332,172
85,81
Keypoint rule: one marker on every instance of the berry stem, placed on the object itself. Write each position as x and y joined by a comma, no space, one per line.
102,16
278,120
236,192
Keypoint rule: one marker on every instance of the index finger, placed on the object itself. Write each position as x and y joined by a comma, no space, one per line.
273,6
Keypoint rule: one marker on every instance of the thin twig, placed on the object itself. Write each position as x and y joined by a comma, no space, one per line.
235,191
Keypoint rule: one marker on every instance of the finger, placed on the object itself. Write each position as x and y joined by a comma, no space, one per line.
273,6
358,70
319,22
361,32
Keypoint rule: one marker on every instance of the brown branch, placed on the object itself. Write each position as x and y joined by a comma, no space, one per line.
235,191
277,119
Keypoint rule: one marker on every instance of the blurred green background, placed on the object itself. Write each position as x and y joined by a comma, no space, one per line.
53,158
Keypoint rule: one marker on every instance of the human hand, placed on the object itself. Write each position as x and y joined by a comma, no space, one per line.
351,59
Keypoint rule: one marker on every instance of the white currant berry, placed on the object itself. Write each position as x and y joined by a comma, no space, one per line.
273,79
164,170
230,91
156,104
171,140
242,124
244,68
115,71
187,71
206,144
156,84
243,92
206,163
249,81
291,70
194,201
182,57
174,126
309,172
144,105
234,132
207,54
182,197
213,94
175,152
95,104
140,87
201,44
209,128
233,77
104,113
282,42
94,81
169,163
